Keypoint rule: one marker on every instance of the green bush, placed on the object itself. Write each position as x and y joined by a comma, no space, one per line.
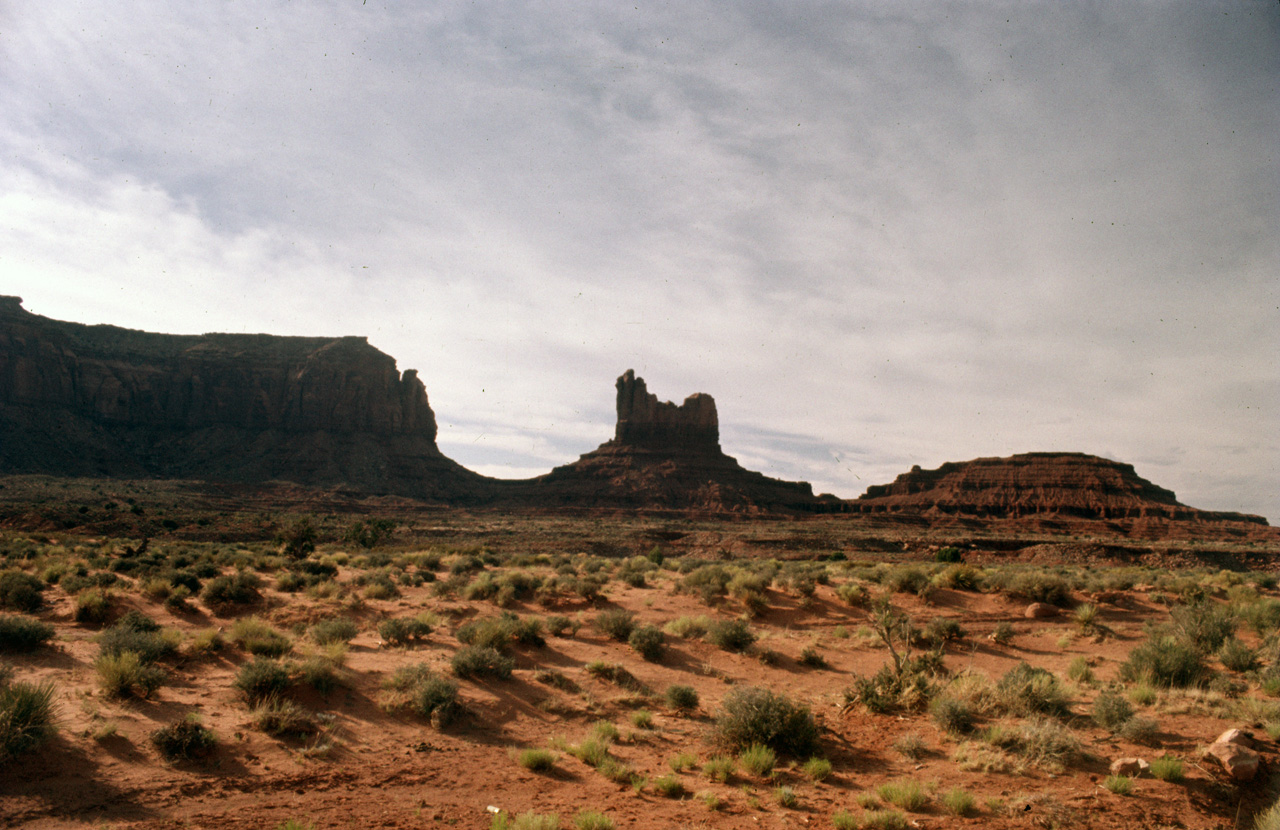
398,631
668,786
282,718
1165,662
138,633
616,623
1167,769
1111,711
731,635
958,802
26,717
127,674
707,582
680,697
817,769
952,716
648,641
1118,784
92,606
537,760
339,630
755,715
226,591
183,739
1238,657
259,639
1204,625
909,795
758,759
427,694
21,591
1026,689
262,678
18,633
949,555
482,661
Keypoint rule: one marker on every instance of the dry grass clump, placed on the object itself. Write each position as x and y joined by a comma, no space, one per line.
26,716
184,739
753,715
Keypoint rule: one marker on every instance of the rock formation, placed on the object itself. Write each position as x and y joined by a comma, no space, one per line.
105,401
668,456
1065,485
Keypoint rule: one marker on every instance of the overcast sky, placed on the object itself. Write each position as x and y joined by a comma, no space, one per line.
878,233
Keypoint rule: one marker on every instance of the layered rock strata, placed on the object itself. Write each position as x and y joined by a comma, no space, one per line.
668,456
84,400
1067,485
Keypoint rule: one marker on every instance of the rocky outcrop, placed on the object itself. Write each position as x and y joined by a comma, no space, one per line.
106,401
667,456
1065,485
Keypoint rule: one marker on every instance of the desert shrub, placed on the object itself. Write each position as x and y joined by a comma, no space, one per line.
21,591
948,554
1236,656
811,657
668,786
642,719
910,746
183,739
959,577
648,641
481,661
942,629
298,540
719,768
1118,784
92,606
707,582
786,797
817,769
852,593
1027,689
26,716
1165,662
909,795
959,803
338,630
369,534
1078,670
754,715
681,698
1140,731
19,633
400,630
1263,616
731,635
908,579
592,820
226,591
1002,634
558,624
687,628
758,759
260,639
1167,769
425,693
1205,625
1042,741
1040,586
616,623
537,760
1111,711
951,715
126,674
262,678
282,718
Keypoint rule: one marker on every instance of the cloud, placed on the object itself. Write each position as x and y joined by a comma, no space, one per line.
904,233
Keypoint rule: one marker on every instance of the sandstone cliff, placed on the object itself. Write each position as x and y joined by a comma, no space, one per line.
1064,485
667,456
106,401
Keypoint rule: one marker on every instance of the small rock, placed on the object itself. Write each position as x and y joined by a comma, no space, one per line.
1240,762
1129,766
1236,736
1040,610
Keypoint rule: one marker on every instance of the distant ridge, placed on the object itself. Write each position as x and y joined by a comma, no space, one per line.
1066,485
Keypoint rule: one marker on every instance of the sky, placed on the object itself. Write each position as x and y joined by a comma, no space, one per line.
880,234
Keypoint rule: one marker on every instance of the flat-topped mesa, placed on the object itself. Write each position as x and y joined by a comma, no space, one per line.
1060,484
107,401
645,422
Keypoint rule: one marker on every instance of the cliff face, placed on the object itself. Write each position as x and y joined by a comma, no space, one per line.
667,456
102,400
1068,485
